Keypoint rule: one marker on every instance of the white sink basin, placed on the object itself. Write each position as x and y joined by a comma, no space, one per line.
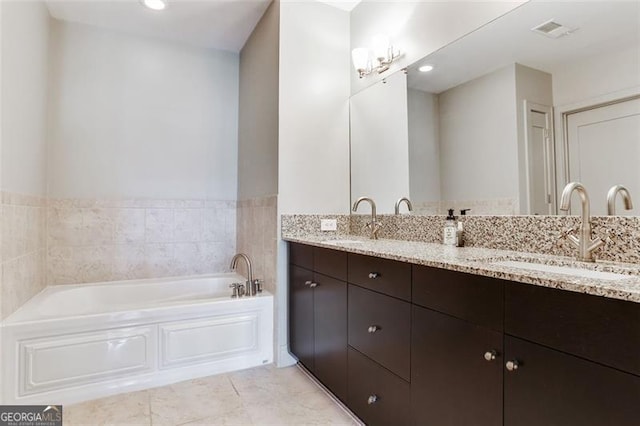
565,270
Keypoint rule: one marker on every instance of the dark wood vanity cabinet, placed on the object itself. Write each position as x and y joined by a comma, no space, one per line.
318,314
428,346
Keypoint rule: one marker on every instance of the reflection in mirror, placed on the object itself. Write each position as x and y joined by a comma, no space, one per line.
480,125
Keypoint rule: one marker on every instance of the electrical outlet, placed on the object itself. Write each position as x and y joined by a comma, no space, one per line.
328,225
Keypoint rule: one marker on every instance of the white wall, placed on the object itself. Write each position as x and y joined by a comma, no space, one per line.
418,27
424,146
478,138
380,144
135,117
313,175
25,42
258,118
597,76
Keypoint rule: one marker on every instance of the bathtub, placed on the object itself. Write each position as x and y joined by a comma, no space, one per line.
71,343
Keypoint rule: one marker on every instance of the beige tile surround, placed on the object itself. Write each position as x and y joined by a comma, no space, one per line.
23,249
68,241
107,240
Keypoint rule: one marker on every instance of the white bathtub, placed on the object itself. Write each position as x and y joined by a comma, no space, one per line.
72,343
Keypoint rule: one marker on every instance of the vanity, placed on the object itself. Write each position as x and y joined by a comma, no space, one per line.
417,333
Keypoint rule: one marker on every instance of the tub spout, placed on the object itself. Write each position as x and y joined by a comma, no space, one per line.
250,287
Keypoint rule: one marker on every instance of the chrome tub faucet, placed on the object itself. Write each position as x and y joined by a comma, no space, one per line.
251,287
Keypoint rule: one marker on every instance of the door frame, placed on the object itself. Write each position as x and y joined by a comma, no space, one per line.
561,115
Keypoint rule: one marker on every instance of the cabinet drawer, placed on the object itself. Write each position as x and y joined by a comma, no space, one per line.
380,327
474,298
301,255
600,329
332,263
382,275
377,396
553,388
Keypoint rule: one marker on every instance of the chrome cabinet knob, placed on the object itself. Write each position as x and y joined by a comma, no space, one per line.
373,275
373,328
512,365
372,399
490,355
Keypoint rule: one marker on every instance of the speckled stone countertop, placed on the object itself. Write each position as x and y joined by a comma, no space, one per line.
480,261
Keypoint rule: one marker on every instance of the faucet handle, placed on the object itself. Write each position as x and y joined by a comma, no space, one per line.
258,285
569,234
234,286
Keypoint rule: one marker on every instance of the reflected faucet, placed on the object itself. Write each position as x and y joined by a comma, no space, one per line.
611,199
374,226
584,243
250,287
406,200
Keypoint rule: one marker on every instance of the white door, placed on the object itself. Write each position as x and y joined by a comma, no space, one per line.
603,149
540,160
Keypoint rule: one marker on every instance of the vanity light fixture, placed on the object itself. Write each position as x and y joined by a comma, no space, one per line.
425,68
378,58
154,4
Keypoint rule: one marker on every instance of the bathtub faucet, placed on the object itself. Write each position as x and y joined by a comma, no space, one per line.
251,285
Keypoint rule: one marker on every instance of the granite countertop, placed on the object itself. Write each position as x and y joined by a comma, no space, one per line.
481,261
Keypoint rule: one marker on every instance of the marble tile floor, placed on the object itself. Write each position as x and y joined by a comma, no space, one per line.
258,396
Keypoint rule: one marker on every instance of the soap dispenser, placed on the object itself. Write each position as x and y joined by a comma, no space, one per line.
460,229
450,230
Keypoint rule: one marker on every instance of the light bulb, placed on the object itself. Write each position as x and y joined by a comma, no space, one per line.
425,68
360,58
381,44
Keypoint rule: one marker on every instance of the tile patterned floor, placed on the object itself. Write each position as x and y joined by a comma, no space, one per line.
259,396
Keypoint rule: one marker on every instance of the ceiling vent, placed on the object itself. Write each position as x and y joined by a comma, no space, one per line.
552,29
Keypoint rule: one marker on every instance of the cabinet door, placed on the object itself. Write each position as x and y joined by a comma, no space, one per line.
452,383
553,388
330,330
301,315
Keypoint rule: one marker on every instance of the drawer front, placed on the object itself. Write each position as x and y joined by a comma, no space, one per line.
301,255
474,298
332,263
596,328
380,327
377,396
381,275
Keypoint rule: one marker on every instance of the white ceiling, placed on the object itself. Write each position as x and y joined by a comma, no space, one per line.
602,26
217,24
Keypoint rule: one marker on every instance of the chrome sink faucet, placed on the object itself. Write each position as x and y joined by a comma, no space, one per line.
250,287
586,246
406,200
374,226
611,199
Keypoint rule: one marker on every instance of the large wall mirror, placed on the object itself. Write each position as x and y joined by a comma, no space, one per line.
545,95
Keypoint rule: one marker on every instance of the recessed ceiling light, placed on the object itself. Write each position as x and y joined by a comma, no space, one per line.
425,68
155,4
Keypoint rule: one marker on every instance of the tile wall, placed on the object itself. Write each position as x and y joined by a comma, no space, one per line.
23,249
107,240
258,237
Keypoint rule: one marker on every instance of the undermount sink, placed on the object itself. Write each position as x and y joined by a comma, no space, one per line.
562,269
